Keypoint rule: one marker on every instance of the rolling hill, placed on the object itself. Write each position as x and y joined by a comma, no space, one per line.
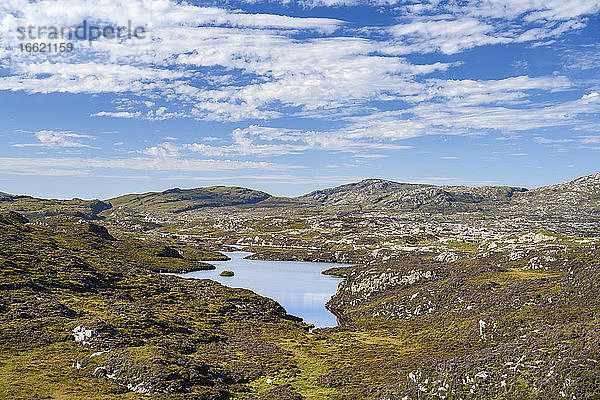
180,200
578,196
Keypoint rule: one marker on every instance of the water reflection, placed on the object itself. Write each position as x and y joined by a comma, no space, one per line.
298,286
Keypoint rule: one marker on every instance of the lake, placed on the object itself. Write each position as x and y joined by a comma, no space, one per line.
297,285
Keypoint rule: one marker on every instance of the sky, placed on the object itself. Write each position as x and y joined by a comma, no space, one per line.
291,96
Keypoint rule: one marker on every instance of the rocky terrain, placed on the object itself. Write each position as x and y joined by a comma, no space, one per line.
377,194
40,208
449,293
575,198
83,316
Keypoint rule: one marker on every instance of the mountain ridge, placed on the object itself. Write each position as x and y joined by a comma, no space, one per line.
582,193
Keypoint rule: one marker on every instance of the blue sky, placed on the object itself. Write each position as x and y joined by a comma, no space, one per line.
288,96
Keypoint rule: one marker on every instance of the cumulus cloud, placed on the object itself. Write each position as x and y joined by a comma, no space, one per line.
594,96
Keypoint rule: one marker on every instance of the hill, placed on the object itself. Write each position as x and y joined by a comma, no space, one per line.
577,197
378,193
104,325
581,195
34,207
434,303
180,200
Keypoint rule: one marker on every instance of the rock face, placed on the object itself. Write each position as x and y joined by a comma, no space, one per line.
98,206
169,252
16,217
365,190
579,196
373,291
100,231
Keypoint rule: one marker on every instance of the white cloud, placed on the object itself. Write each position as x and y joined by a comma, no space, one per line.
590,97
56,139
117,114
589,139
257,64
585,57
215,64
154,13
446,35
450,27
475,92
47,77
453,34
33,165
543,140
261,141
451,117
531,10
165,149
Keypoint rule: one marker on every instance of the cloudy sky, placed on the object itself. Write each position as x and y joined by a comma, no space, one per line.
289,96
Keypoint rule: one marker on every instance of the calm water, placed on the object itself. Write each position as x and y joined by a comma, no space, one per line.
298,286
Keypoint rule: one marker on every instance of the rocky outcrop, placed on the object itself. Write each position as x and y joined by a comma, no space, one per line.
100,231
169,252
12,217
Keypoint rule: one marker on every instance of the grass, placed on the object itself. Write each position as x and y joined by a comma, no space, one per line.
512,276
48,373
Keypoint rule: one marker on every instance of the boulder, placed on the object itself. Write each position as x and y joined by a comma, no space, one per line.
170,252
100,231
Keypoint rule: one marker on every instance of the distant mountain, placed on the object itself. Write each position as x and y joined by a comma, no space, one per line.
370,191
581,194
378,193
588,186
180,200
35,207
